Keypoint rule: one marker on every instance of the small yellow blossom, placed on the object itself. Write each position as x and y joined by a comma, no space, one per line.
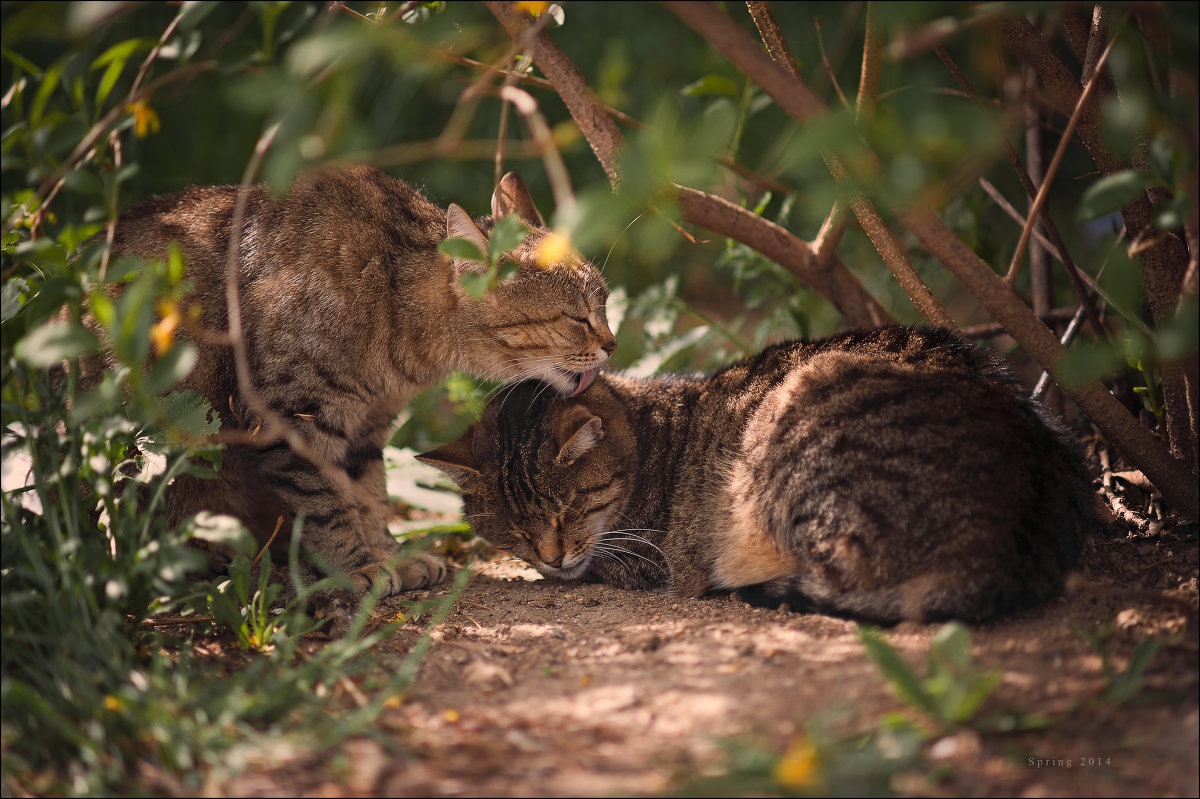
552,250
532,8
585,680
111,703
798,768
163,333
450,715
393,702
145,118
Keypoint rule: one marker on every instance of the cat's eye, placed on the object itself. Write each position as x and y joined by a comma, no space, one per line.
580,319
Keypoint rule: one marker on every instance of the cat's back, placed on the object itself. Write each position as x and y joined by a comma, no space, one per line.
885,454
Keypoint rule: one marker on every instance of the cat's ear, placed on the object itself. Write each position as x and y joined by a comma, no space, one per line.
459,225
456,460
577,431
512,197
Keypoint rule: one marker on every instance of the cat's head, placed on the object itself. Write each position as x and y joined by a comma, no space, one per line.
547,321
543,477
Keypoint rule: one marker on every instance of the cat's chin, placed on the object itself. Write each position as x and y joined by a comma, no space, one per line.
569,573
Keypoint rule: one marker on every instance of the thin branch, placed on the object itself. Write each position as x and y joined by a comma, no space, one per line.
711,26
868,84
838,285
1044,190
992,329
1056,245
772,36
556,170
277,428
830,236
597,126
837,87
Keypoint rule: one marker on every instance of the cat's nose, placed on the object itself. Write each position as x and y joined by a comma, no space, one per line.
609,346
556,563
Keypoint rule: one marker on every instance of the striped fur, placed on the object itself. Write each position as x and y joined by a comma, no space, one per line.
885,474
348,312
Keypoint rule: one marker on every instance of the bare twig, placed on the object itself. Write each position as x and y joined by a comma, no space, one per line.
1044,190
599,129
868,84
772,36
556,170
829,67
1056,245
992,329
277,428
838,285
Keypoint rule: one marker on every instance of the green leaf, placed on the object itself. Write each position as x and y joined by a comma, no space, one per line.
953,644
49,83
53,342
903,679
711,84
1113,193
1125,685
12,297
475,284
172,367
508,232
1170,213
462,250
1166,160
190,414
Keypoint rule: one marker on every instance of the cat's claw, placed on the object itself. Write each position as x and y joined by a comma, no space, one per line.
422,571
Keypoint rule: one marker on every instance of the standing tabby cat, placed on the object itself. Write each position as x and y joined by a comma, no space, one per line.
349,311
886,474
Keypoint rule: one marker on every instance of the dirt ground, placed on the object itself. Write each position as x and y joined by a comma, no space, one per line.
537,688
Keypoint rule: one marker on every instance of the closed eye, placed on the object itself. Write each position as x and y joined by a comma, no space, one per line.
580,319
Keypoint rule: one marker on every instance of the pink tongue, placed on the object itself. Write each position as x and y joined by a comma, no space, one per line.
585,380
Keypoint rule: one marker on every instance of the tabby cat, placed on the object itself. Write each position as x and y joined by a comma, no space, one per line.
885,474
348,311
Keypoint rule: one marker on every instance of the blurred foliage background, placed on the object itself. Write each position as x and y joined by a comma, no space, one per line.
108,103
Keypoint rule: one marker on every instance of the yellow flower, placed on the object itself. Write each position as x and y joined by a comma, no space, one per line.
111,703
552,250
163,333
393,702
450,715
531,8
798,768
145,119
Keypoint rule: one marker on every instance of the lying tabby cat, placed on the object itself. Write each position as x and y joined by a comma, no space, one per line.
349,311
886,474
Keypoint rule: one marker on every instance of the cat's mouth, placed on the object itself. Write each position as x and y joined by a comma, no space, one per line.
579,380
572,571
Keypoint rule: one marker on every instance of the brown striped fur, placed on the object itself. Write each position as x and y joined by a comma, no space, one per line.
885,474
348,312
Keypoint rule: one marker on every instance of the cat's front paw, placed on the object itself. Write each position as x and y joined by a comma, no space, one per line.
422,571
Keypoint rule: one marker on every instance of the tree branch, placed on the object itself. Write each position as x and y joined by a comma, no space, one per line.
1167,473
836,283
